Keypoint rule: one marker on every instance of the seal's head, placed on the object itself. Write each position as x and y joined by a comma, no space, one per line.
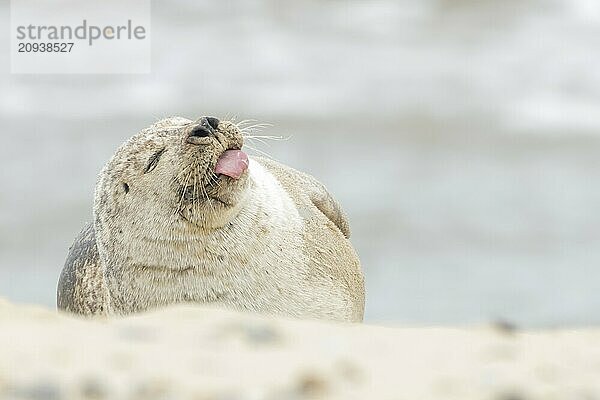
173,179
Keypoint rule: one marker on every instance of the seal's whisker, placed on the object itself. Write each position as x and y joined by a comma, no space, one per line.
254,127
214,180
269,137
183,171
177,181
249,127
185,185
213,212
186,175
261,141
264,154
180,174
245,121
184,189
202,191
195,193
254,123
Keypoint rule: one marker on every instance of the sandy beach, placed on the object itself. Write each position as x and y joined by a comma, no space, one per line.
205,353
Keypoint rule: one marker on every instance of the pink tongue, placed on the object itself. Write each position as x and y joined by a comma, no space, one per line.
232,163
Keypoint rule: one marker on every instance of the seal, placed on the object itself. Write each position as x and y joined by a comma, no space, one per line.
182,214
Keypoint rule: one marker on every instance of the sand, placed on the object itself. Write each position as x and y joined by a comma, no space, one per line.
193,352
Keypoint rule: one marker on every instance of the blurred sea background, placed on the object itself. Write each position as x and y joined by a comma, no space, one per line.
461,137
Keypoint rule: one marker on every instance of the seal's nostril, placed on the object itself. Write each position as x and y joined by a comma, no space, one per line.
207,127
213,122
200,131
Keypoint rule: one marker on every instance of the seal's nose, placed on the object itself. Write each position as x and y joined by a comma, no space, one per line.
205,128
212,121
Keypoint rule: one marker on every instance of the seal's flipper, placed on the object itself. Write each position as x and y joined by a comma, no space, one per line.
81,288
330,208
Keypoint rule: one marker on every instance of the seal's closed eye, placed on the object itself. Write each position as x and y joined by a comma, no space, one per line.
153,160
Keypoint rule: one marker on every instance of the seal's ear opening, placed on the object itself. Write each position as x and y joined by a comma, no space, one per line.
125,187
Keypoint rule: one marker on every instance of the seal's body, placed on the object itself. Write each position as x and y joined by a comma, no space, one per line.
182,215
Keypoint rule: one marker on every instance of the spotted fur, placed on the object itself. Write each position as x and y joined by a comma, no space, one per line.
167,230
